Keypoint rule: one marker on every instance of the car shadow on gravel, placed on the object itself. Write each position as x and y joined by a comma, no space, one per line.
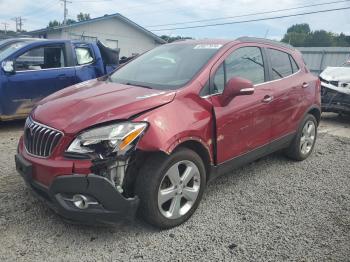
138,226
8,126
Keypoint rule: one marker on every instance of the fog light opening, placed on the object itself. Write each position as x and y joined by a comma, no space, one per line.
80,201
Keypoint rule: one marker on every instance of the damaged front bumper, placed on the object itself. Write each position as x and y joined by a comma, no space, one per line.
104,203
334,100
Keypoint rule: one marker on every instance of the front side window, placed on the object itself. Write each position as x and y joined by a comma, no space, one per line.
245,62
41,58
280,64
8,49
84,55
166,67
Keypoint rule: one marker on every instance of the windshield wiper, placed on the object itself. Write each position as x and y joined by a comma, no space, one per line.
132,84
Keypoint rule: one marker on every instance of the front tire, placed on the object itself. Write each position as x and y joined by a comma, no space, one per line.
170,187
304,142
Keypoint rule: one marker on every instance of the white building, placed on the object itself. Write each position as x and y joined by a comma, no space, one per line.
116,31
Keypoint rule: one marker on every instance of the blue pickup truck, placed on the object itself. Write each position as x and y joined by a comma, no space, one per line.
31,69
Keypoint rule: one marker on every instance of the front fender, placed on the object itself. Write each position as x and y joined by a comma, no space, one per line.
187,118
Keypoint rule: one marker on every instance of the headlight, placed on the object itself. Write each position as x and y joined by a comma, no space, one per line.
107,139
344,84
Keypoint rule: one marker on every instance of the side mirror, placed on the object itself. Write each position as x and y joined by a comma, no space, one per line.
236,86
8,66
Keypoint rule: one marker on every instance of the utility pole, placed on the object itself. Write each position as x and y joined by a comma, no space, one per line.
5,27
19,23
16,21
65,10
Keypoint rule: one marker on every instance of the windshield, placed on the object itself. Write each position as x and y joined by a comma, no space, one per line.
166,67
9,49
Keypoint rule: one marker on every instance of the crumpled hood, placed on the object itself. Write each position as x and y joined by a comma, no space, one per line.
92,102
341,74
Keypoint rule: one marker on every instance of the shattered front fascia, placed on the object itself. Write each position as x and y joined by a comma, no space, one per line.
344,90
113,168
341,75
116,168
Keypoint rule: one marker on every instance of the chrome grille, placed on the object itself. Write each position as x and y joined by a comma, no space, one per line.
40,140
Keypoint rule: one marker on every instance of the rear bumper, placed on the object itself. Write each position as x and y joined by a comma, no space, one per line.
110,205
333,101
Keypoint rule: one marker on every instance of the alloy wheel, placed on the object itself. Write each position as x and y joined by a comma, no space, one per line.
307,138
179,189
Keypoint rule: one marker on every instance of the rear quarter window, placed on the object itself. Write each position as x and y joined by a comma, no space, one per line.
295,66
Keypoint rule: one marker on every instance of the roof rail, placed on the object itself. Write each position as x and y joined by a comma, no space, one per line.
264,41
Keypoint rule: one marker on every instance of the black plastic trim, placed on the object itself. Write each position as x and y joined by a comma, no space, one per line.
250,156
112,207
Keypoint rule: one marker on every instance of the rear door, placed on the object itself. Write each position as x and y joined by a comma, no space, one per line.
110,56
245,123
39,71
287,85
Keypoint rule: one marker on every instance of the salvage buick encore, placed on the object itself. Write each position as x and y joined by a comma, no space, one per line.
147,138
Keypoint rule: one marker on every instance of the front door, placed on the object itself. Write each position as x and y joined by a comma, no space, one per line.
88,65
39,72
245,123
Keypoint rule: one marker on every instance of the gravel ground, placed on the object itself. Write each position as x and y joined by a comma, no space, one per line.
271,210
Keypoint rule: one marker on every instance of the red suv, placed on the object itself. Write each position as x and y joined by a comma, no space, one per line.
151,135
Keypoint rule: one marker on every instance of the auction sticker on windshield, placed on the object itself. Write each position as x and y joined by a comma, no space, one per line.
207,46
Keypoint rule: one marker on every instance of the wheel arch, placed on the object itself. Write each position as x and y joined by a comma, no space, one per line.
316,112
202,150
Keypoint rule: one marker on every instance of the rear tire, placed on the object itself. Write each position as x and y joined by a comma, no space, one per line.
170,187
304,141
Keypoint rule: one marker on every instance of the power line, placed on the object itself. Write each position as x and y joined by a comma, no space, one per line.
249,14
252,20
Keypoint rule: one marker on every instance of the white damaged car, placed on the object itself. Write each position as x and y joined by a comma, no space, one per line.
335,83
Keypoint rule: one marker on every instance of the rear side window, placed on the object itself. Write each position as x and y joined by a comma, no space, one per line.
280,63
84,55
245,62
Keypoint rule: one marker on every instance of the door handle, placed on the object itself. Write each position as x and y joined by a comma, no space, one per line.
267,99
305,85
62,76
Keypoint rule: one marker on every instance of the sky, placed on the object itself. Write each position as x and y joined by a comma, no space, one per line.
152,13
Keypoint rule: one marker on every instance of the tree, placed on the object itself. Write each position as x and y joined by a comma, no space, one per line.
83,16
295,39
299,28
301,35
320,38
53,23
70,21
170,39
296,34
80,17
